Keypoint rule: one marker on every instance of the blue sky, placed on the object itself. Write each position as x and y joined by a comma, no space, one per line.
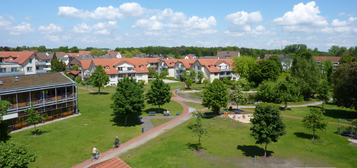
253,24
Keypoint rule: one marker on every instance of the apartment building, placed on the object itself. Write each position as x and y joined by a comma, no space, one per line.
51,93
20,63
215,69
168,64
181,65
335,60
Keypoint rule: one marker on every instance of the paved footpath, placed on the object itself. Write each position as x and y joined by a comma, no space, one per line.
147,124
141,139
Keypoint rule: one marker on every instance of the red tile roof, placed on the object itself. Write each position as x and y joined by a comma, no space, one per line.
187,62
211,64
113,52
73,54
60,53
86,63
152,60
111,163
333,59
170,62
20,57
110,64
84,52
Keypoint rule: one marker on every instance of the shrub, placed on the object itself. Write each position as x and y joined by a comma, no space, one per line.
252,83
246,88
170,78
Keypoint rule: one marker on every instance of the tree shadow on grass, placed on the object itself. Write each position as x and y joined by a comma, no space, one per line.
251,150
157,111
305,135
101,93
194,146
39,132
120,120
339,113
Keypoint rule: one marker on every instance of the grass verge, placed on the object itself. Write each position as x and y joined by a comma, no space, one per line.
158,121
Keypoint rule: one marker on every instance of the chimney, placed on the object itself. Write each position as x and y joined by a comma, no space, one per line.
16,79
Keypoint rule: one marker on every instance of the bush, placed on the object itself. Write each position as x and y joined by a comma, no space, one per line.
246,88
252,83
227,81
267,92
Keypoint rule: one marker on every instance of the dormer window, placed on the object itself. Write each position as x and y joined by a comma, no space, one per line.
10,59
30,61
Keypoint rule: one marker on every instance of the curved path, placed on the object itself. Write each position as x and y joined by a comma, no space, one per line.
141,139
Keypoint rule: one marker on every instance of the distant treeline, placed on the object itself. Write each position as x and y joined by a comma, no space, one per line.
177,52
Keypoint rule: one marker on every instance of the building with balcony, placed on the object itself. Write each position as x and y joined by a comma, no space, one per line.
215,68
20,63
168,64
52,93
335,60
181,65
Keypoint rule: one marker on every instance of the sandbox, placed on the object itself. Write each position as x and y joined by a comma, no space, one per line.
244,118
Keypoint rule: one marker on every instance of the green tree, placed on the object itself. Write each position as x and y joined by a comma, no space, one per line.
344,84
74,49
188,83
14,155
205,82
99,77
33,117
277,60
238,96
327,69
159,94
128,98
75,67
152,72
97,52
314,121
266,70
4,134
346,59
323,92
42,48
215,96
267,92
164,73
288,90
78,80
54,63
192,74
306,70
200,76
184,75
63,49
198,128
267,124
287,64
244,66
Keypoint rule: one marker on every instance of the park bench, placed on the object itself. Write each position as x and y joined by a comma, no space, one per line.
152,112
237,111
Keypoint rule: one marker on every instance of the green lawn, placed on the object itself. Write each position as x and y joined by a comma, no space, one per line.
229,144
194,105
69,142
298,103
158,121
82,90
173,107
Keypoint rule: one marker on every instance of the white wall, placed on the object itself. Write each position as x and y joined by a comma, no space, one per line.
27,64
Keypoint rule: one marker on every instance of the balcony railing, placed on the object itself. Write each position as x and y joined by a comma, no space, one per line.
5,74
42,71
182,68
225,70
127,71
40,63
223,76
164,66
153,66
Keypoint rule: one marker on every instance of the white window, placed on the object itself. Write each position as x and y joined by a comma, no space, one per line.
2,70
30,60
140,75
112,76
29,69
215,74
13,69
120,75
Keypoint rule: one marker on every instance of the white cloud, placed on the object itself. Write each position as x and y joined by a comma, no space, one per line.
278,43
52,38
28,18
234,34
4,24
22,29
342,29
326,30
336,22
118,38
150,24
11,18
82,28
351,19
341,14
297,29
241,21
52,28
302,15
66,37
103,32
103,13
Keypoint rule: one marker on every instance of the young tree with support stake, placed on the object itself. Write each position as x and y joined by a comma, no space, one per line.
267,126
159,94
99,77
199,129
128,98
33,117
314,121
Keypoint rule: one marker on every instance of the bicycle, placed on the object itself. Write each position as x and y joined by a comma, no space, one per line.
95,156
116,145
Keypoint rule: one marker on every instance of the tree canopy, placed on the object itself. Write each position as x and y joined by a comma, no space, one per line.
314,121
288,91
345,85
238,96
14,155
215,96
323,92
33,117
128,98
4,134
244,66
267,125
74,49
57,65
277,60
99,78
97,52
159,94
266,70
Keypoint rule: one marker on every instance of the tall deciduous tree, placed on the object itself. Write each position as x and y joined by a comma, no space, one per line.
57,65
266,70
287,64
323,92
159,94
97,52
327,69
238,96
4,134
14,155
128,98
164,73
63,49
192,74
244,66
74,49
288,90
152,72
200,76
188,82
267,126
99,77
345,84
314,121
215,96
277,60
198,128
33,117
